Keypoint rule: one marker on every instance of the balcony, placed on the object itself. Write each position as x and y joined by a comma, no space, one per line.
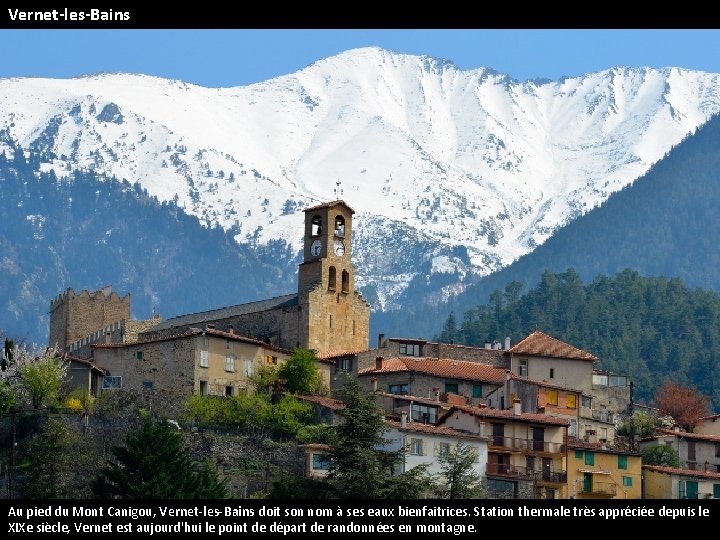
552,477
599,415
510,471
524,473
599,488
526,445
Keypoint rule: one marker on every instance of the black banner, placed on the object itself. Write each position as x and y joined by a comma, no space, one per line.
300,517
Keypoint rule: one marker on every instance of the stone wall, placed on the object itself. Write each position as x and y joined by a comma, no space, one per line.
75,316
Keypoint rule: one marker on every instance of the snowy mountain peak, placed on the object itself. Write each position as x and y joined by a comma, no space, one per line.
474,166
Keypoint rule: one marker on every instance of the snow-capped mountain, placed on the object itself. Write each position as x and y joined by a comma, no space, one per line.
447,170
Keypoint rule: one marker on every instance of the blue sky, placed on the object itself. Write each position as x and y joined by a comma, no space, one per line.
220,58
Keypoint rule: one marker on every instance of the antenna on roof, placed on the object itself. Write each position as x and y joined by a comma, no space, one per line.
338,190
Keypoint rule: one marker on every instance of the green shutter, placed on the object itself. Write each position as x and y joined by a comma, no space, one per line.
622,462
589,458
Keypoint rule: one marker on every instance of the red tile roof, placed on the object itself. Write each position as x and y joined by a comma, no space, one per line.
507,414
540,344
330,403
327,355
683,472
418,427
686,435
443,367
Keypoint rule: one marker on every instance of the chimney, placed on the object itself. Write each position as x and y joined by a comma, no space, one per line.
496,345
507,343
231,329
436,392
379,362
487,345
381,339
108,337
403,419
517,407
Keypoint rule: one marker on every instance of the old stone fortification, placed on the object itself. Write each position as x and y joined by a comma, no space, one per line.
75,316
124,331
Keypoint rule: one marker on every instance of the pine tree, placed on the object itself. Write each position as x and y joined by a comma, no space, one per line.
153,464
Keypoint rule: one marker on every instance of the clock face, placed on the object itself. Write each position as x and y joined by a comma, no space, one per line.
315,248
339,247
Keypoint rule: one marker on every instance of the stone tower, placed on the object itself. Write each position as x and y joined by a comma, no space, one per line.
334,316
76,316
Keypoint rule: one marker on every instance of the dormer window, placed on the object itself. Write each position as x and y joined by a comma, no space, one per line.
316,226
340,226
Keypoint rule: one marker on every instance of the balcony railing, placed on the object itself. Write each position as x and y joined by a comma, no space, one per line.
513,471
525,473
599,487
516,443
600,415
553,477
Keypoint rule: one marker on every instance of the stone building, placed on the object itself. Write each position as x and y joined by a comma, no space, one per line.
326,313
75,316
167,370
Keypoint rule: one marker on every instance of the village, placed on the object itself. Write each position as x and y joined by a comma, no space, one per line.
542,420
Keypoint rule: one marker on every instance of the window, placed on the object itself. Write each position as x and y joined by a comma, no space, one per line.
571,401
579,454
139,355
332,278
603,434
272,360
451,388
717,449
716,491
112,382
331,320
339,226
423,413
229,391
344,364
477,390
316,226
203,388
147,385
589,458
444,449
586,401
203,359
248,368
230,362
600,380
416,447
523,368
622,462
398,389
627,481
616,380
320,462
410,349
552,373
345,281
552,397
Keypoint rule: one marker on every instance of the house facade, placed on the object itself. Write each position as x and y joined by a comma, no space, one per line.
169,370
526,451
668,483
697,451
426,444
432,378
598,472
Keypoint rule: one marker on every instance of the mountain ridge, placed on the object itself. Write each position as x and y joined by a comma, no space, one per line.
451,172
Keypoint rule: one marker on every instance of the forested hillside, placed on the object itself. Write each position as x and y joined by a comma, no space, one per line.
651,328
85,232
666,223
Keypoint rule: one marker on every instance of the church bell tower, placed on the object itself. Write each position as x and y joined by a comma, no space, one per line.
337,316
